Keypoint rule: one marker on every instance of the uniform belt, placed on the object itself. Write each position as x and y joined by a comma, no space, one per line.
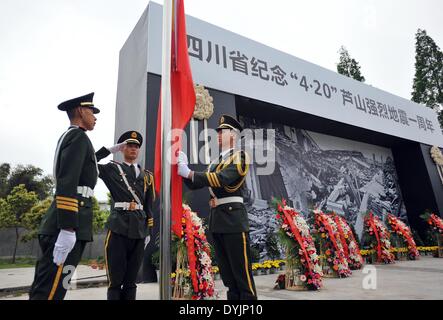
220,201
85,191
128,206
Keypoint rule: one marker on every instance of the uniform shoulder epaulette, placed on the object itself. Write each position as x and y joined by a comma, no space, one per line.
241,160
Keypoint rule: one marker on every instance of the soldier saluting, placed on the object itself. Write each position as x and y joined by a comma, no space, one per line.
228,219
67,225
131,219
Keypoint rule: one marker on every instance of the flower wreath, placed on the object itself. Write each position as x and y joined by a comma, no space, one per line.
296,238
194,262
402,230
378,232
350,245
331,244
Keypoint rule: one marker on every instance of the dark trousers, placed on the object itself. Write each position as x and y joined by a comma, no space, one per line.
51,281
234,261
123,260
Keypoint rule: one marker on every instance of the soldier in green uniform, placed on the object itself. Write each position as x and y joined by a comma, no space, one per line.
131,219
228,219
67,225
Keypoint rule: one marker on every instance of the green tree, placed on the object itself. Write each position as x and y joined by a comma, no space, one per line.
13,208
99,216
348,66
32,177
427,87
32,219
5,170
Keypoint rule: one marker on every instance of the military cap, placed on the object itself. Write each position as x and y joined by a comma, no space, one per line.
83,101
228,122
131,137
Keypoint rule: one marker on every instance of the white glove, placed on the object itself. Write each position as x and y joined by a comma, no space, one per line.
117,147
147,240
64,244
183,170
182,165
182,158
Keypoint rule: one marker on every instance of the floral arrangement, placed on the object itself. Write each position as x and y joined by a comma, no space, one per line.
98,263
420,249
350,245
194,275
302,262
403,232
204,106
267,266
379,236
427,249
331,244
435,222
436,228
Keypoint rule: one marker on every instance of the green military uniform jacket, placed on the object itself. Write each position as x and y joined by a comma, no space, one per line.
74,165
226,178
134,224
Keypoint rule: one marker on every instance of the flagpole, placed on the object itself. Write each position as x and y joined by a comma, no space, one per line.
165,197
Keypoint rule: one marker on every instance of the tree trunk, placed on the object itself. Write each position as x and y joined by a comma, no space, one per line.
16,244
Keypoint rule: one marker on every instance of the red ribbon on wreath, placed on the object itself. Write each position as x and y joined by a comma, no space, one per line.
330,231
374,228
404,231
299,238
191,249
342,235
436,221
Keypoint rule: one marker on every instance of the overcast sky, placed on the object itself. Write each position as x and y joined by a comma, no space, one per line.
53,50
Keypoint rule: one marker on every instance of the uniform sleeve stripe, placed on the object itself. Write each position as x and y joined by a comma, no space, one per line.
217,182
66,203
209,179
74,200
69,208
214,179
211,183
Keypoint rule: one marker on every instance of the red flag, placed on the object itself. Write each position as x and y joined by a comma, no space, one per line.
182,108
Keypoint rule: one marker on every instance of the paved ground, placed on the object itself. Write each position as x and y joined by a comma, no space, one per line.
422,279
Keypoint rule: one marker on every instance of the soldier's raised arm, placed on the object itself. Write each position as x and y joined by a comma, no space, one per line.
231,171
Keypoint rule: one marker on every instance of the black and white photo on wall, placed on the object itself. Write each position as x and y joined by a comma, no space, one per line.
317,171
